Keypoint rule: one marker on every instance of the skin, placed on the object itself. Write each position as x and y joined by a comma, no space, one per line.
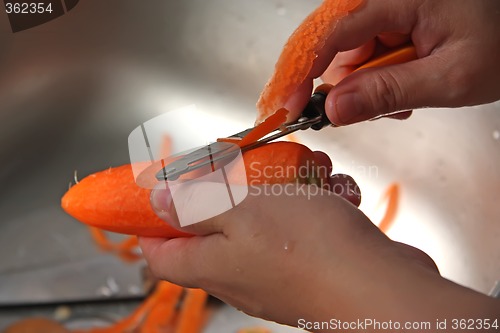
337,264
450,37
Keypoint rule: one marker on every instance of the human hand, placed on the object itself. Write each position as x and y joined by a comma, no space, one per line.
458,46
290,256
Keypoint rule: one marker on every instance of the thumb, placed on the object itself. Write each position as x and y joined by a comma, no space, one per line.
373,92
197,206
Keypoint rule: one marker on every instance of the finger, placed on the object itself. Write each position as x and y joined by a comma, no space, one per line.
393,39
298,100
373,92
346,187
323,160
355,56
362,26
340,184
345,63
183,261
350,32
401,115
195,207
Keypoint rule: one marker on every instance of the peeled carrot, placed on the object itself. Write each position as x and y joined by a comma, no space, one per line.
299,53
111,200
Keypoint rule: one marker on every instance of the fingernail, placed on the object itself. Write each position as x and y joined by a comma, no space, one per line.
348,108
161,200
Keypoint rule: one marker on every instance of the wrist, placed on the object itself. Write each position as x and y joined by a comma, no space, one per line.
398,290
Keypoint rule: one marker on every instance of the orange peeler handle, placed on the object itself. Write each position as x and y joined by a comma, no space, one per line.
392,57
398,56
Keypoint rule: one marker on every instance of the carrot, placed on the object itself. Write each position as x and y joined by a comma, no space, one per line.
191,316
267,126
299,53
162,315
165,292
112,201
392,197
123,249
280,163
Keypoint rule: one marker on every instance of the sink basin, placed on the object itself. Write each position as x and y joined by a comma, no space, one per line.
72,90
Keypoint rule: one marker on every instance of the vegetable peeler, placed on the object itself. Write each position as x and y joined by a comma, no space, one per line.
312,117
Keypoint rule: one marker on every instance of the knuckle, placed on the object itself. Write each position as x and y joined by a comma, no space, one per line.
386,93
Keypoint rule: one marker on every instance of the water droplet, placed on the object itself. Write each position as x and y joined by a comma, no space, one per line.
288,246
496,135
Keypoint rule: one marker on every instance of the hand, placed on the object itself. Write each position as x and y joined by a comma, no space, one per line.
286,257
458,46
290,257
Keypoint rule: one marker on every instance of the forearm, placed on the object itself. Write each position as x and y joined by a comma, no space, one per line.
413,298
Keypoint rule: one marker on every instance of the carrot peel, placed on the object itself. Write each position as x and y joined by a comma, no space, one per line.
271,123
392,196
300,52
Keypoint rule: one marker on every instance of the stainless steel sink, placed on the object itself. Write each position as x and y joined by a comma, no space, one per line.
71,91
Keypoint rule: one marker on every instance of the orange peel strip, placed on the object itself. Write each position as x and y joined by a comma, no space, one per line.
300,52
191,316
392,197
123,249
270,124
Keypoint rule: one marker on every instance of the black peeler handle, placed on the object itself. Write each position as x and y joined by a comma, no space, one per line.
316,108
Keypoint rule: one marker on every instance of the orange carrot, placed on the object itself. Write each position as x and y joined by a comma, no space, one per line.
162,315
270,124
100,239
112,201
392,197
299,53
292,137
191,316
164,292
123,249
